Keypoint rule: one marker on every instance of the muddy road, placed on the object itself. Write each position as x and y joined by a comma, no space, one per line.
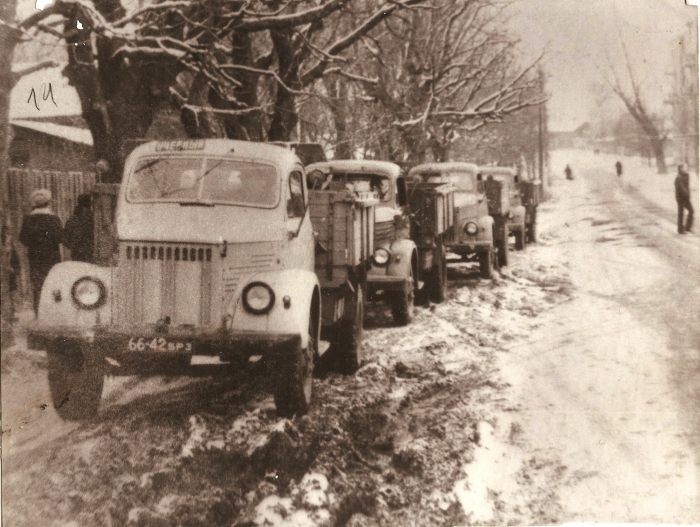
565,389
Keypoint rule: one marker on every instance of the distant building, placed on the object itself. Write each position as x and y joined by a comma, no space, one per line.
683,143
580,138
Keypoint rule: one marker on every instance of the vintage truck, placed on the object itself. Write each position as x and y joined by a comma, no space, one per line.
474,231
393,273
516,218
215,262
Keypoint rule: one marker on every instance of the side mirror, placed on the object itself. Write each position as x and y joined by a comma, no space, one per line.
401,192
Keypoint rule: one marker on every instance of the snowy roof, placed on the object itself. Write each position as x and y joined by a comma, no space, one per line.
77,135
64,99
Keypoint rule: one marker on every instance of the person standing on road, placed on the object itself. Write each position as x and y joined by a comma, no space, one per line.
682,184
79,232
41,233
569,173
618,168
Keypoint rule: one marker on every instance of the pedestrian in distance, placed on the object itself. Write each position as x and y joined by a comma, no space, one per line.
682,184
79,232
41,233
618,168
569,173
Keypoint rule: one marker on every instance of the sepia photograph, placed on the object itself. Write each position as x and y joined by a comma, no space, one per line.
349,263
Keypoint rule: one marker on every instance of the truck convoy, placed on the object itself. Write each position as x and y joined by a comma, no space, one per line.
215,256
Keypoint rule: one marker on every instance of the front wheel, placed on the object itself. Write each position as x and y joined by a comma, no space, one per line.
520,238
502,248
76,380
346,351
438,279
532,232
486,264
294,378
401,303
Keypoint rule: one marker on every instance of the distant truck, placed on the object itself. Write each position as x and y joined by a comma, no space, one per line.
474,230
393,271
215,259
516,216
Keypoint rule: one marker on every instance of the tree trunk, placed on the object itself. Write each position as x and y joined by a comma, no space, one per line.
8,41
338,106
284,118
657,147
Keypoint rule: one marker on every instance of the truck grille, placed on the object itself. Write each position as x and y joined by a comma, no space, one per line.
187,282
384,232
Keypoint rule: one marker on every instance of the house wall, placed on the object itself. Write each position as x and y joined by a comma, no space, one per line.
38,151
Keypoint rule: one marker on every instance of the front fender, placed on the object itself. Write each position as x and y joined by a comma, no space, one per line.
402,251
56,304
485,229
299,285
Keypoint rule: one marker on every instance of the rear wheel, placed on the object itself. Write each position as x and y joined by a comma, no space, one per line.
532,232
401,303
294,378
76,380
486,264
438,278
502,247
520,238
346,352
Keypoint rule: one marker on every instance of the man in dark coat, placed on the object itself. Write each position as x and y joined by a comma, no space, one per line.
41,233
79,232
618,168
682,184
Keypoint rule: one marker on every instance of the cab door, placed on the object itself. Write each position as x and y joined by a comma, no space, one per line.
300,251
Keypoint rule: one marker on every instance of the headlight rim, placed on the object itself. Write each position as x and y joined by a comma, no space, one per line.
251,309
388,257
467,226
101,299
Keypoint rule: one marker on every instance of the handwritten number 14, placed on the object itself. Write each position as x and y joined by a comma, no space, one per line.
47,92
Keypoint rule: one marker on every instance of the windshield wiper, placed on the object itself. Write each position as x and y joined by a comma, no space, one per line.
196,204
148,165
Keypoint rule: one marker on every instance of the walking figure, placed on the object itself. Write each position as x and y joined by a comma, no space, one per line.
618,168
41,234
79,232
682,184
569,173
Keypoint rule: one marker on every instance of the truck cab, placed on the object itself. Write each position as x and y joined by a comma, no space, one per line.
472,236
393,269
516,220
214,259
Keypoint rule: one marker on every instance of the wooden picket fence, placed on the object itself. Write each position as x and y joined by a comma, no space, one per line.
65,188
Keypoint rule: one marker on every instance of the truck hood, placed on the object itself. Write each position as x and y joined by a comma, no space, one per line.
173,222
465,199
384,214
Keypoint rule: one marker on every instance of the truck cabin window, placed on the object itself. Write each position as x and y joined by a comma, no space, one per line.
295,203
203,180
366,183
464,181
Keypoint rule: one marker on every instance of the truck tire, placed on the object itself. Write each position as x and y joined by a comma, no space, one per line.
294,378
76,380
346,355
502,248
486,264
532,232
401,303
438,278
520,238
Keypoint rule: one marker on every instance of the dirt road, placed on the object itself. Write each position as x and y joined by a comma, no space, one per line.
563,390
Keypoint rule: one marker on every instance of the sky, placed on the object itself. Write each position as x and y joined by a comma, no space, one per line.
577,35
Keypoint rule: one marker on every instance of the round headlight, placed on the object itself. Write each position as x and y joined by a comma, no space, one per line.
89,293
381,257
471,228
258,298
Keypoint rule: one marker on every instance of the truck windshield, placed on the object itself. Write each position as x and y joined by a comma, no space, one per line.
366,183
464,181
205,180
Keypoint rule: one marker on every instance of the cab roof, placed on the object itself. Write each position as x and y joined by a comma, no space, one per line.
498,170
444,167
357,166
221,147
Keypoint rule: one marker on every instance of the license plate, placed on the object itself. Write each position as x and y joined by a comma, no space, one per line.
159,344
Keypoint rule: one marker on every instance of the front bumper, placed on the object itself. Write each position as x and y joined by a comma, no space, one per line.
470,247
388,283
129,346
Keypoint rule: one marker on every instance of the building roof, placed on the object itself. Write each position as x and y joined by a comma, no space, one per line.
70,133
